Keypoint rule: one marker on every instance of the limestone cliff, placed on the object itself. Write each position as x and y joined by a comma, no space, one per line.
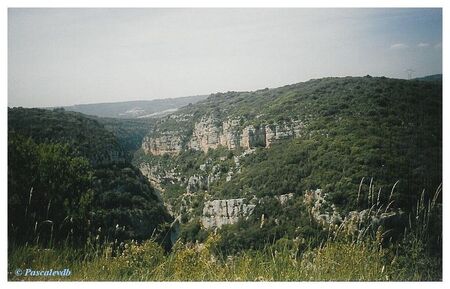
164,144
217,213
281,131
206,135
210,133
230,134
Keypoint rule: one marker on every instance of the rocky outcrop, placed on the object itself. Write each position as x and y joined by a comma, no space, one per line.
230,134
164,144
196,183
265,136
217,213
253,137
285,130
205,135
284,198
354,223
210,133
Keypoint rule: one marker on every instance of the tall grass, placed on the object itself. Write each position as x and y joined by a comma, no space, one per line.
416,256
147,262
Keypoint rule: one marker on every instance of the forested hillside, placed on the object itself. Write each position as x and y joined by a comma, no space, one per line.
329,179
359,140
70,182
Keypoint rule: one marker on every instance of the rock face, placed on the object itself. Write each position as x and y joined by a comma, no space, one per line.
196,183
164,144
354,223
223,212
230,134
253,137
285,130
205,135
210,133
284,198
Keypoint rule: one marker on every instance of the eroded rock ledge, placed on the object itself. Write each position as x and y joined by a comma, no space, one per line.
217,213
210,133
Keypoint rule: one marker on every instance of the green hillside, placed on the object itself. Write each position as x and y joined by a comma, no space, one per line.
376,128
83,134
329,179
70,183
355,127
360,136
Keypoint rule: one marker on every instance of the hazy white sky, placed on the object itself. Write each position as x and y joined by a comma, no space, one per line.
62,57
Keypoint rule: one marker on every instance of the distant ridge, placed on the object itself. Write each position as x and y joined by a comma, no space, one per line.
434,77
135,109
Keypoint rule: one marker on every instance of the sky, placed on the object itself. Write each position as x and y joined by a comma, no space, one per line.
59,57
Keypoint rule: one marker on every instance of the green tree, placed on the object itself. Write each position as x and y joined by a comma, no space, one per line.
49,192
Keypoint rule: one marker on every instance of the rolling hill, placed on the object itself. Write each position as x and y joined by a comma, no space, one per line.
135,109
346,137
